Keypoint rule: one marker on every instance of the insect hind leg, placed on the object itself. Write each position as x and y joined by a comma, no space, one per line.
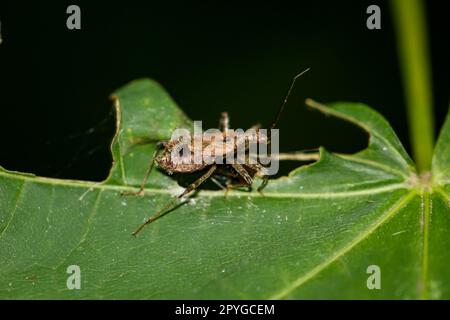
172,203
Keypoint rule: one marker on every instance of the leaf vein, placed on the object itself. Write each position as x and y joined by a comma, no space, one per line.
398,205
374,164
425,224
85,233
13,213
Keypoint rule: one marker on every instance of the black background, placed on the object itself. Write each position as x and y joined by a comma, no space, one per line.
284,309
56,119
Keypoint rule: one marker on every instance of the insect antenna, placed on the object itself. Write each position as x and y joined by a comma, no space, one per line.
275,122
285,99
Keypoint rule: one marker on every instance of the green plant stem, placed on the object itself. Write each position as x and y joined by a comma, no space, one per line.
410,25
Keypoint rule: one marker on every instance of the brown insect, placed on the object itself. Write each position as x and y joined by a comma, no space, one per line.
226,176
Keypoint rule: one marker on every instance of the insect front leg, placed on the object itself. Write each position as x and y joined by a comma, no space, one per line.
247,180
159,147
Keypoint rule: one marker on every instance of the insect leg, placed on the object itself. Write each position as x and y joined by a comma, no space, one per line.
168,206
263,185
309,155
140,192
217,183
235,186
243,173
224,123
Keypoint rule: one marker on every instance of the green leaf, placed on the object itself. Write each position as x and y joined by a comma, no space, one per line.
313,235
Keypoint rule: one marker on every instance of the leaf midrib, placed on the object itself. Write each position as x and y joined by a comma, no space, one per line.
207,193
426,216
